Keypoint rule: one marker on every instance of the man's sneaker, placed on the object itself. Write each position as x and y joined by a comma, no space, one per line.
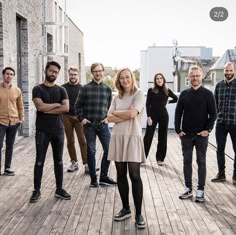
139,221
94,182
73,167
122,214
234,179
86,169
106,180
9,172
199,196
61,193
220,177
36,195
160,163
186,194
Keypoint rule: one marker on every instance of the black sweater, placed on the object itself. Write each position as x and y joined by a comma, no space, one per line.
72,91
156,101
195,111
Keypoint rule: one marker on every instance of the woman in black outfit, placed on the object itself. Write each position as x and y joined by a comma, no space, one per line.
157,98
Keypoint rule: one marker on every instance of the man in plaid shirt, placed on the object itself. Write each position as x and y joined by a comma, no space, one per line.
91,107
225,95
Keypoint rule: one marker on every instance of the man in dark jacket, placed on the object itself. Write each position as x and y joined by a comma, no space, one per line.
195,115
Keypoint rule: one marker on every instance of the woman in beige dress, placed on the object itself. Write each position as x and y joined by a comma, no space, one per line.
126,145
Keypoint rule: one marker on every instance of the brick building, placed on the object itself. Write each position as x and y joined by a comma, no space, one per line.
31,33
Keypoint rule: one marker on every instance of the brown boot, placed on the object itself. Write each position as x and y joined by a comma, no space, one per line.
220,177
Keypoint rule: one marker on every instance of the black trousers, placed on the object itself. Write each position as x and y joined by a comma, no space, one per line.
162,137
42,141
200,143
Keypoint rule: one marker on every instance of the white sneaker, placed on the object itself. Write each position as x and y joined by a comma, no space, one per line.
186,194
199,196
73,167
86,169
160,163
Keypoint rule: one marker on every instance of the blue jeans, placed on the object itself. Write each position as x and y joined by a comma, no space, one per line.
222,131
42,141
200,143
10,133
101,130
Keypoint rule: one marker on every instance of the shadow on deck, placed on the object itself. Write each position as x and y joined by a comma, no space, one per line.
90,210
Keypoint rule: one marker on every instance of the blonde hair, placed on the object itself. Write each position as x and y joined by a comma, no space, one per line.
195,67
118,86
73,68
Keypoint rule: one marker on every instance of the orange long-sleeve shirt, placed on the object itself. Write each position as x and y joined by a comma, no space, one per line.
11,105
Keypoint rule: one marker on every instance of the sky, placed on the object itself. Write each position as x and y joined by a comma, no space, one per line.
115,31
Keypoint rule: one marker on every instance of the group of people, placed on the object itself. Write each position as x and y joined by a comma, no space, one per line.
87,110
195,115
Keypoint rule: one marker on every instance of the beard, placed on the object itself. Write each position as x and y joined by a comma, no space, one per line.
229,76
50,79
73,81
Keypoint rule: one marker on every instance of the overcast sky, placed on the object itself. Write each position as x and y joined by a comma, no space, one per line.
115,31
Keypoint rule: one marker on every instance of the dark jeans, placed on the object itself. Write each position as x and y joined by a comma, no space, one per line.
222,131
101,130
162,137
10,132
42,140
200,143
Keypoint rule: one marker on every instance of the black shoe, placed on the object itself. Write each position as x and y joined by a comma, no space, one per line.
220,177
106,180
9,172
139,221
36,195
61,193
234,179
94,182
123,214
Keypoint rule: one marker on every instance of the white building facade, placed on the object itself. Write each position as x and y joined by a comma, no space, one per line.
159,59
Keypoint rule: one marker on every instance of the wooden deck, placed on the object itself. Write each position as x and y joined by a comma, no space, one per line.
90,210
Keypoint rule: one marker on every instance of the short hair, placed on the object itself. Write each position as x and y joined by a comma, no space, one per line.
94,65
229,64
8,68
118,86
195,67
54,63
73,68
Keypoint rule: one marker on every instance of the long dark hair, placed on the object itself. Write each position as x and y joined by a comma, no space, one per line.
155,86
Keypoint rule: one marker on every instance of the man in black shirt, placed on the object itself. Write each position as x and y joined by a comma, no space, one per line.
72,123
195,115
50,101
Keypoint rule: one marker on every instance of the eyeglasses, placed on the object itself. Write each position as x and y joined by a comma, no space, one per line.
195,76
53,71
73,74
97,71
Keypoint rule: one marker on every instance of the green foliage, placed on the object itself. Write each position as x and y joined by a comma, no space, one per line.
110,75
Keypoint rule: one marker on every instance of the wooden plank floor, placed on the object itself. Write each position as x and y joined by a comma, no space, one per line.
90,210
